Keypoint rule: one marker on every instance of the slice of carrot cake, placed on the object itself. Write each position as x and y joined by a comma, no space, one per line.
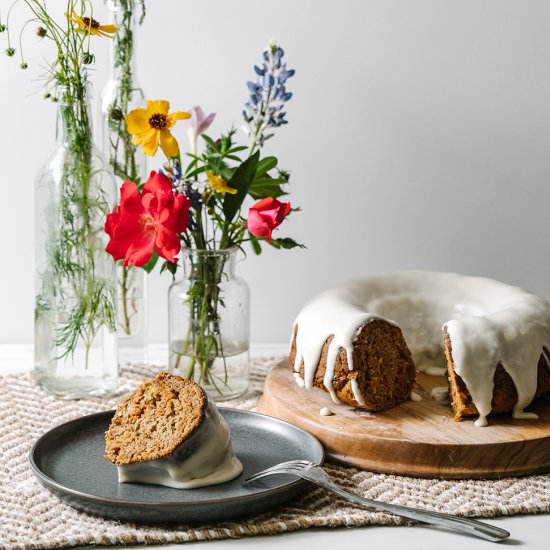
168,433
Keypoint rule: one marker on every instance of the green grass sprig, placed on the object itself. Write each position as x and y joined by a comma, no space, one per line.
73,292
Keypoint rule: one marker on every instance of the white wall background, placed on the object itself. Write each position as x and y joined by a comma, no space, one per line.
419,137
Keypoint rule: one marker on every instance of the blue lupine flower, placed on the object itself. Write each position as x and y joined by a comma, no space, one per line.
194,196
278,55
192,224
176,171
264,108
285,74
254,87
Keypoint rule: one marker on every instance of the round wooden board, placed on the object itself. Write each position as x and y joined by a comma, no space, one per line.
418,438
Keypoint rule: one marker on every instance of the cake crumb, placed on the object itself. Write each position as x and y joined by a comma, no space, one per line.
325,411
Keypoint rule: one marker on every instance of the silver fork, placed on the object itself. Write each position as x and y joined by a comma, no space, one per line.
316,474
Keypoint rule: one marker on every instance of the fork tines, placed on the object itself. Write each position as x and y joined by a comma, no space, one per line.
284,467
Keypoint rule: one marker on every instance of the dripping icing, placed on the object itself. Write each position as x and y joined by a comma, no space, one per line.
206,458
487,322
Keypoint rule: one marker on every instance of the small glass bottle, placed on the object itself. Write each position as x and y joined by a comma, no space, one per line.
75,311
122,94
209,323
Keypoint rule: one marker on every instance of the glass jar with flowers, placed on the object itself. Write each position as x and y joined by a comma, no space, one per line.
198,209
75,342
209,322
121,94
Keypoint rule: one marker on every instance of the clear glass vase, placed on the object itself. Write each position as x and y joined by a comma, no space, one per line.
75,312
209,323
132,326
122,94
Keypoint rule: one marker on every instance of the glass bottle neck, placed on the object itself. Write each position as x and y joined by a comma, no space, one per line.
74,116
198,264
122,16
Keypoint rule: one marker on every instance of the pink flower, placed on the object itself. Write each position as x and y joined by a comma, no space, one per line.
147,222
265,216
197,125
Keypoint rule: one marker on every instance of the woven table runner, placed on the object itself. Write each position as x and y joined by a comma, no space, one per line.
30,517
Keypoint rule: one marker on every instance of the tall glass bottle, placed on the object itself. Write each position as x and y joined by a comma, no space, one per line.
75,312
120,96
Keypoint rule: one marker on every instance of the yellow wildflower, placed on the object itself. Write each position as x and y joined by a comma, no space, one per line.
151,126
89,25
219,184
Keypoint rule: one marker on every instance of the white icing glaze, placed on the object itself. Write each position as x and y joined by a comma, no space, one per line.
206,458
487,322
325,411
481,421
435,371
415,396
357,392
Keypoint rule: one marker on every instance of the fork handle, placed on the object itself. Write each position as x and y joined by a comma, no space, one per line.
466,525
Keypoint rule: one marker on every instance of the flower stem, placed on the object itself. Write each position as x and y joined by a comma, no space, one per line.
124,296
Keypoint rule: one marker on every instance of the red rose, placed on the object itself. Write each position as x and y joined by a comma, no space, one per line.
147,222
265,216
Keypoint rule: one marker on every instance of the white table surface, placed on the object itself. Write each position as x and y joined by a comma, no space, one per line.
527,532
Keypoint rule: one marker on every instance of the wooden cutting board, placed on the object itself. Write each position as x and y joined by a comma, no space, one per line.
417,438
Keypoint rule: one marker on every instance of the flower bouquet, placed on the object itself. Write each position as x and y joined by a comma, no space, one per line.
197,205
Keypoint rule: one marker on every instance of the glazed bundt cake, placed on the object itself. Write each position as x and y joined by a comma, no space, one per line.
167,432
363,341
382,371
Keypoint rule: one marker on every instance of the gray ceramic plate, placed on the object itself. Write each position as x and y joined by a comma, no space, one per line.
69,461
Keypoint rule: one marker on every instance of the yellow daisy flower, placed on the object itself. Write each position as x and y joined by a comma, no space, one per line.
151,126
219,184
89,25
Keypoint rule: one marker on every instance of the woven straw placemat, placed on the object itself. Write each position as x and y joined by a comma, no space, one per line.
30,517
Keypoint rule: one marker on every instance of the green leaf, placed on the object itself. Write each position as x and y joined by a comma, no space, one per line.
225,172
241,180
169,266
237,149
219,168
192,165
208,140
255,243
267,186
286,243
225,143
196,172
150,265
260,191
267,180
265,165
